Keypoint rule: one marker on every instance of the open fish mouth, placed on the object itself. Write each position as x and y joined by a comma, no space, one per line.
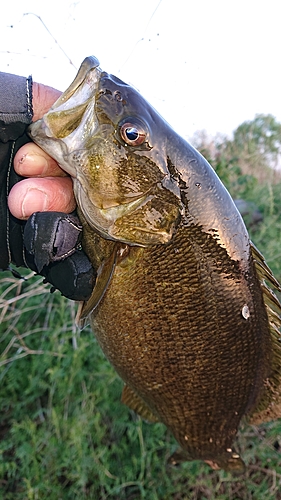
85,79
71,119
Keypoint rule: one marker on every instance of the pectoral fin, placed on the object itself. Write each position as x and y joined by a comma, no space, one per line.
104,275
135,403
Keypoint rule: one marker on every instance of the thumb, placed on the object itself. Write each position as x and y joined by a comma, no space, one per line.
43,97
41,194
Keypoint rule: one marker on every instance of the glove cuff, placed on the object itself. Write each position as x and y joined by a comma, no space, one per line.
11,229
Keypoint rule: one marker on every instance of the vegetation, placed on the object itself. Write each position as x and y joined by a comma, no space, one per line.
65,434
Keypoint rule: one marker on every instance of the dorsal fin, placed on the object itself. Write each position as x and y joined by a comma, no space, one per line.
272,410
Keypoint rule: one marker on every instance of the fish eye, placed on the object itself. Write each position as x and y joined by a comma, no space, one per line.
132,132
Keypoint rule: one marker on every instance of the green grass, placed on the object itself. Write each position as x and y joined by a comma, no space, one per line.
66,435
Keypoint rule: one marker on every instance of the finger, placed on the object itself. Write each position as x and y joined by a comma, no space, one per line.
41,195
32,161
43,98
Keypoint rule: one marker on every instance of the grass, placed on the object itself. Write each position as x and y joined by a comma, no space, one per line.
64,432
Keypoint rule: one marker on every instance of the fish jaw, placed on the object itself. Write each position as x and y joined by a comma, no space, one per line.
71,120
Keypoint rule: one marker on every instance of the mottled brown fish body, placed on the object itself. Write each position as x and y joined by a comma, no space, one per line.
180,306
172,325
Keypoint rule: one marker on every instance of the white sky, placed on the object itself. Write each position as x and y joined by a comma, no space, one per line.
203,64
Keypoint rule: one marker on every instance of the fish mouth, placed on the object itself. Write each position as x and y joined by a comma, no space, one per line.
64,128
84,82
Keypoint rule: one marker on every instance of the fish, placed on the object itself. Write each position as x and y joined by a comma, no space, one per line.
184,307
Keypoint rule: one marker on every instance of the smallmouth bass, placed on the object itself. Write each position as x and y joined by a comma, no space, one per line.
183,306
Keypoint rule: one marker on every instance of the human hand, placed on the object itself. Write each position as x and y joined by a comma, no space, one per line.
47,187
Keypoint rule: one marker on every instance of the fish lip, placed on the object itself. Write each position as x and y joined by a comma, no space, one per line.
79,94
42,125
89,65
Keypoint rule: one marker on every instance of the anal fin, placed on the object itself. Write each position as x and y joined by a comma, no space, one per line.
135,403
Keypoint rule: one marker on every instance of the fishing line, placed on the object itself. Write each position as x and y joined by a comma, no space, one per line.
141,39
51,35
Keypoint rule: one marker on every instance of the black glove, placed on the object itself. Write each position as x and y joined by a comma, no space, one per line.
65,266
53,249
11,229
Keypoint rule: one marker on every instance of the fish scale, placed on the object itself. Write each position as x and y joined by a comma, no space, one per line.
159,300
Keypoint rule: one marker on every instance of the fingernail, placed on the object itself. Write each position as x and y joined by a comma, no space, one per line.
33,163
34,200
22,159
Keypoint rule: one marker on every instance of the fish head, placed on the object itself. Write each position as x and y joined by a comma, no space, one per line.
113,144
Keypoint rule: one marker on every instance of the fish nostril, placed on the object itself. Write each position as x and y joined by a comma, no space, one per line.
105,92
118,96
